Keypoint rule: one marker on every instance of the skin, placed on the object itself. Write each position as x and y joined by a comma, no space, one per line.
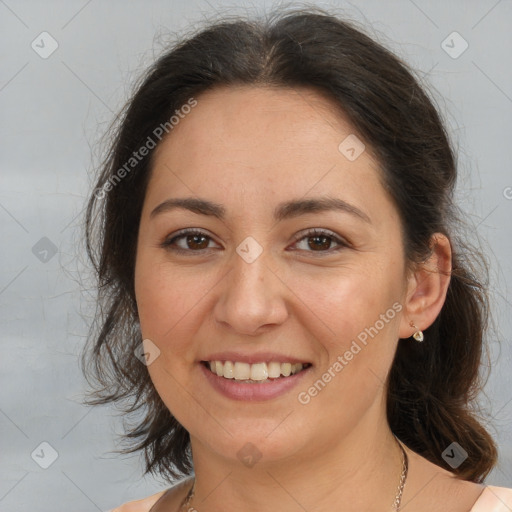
249,149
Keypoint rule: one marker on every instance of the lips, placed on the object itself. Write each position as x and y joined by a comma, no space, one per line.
256,372
253,377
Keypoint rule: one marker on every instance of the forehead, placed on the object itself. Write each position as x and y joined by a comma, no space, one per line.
268,143
247,119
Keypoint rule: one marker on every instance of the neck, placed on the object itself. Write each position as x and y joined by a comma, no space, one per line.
360,472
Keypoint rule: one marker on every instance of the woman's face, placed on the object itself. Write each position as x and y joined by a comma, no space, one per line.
255,287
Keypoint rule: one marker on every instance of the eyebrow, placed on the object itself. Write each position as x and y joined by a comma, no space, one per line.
286,210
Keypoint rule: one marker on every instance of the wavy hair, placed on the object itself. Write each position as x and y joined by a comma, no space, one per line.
432,386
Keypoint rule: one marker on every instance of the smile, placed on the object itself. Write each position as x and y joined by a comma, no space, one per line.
258,381
254,373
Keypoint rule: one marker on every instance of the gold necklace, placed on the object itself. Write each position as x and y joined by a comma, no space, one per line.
188,498
396,503
403,477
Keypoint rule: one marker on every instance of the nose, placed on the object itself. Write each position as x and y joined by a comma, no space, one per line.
252,298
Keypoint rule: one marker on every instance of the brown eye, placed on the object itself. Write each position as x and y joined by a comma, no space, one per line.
321,241
188,241
193,241
196,241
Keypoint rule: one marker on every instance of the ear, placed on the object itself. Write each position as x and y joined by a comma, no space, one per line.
427,285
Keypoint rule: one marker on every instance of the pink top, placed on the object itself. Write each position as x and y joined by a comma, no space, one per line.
494,499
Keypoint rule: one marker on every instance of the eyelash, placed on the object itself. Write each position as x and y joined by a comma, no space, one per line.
310,233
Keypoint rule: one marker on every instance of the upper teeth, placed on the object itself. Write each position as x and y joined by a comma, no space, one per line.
257,371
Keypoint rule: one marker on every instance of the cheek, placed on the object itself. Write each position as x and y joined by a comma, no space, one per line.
165,297
346,303
154,298
167,301
359,312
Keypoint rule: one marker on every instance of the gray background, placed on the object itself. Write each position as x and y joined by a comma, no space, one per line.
53,112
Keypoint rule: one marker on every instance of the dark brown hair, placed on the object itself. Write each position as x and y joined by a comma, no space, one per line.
432,386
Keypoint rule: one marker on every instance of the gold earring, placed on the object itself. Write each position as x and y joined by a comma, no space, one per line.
418,335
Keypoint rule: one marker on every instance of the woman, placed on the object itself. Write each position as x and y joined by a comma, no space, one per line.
283,290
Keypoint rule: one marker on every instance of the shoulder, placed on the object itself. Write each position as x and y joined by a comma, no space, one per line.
143,505
173,495
434,488
494,499
430,487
